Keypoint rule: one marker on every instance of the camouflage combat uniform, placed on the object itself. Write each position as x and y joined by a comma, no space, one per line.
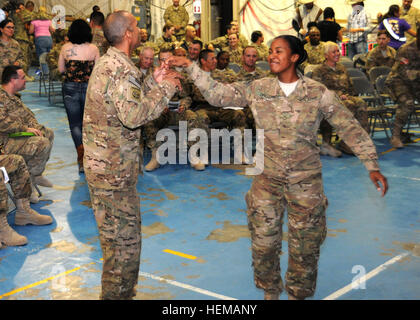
243,75
149,44
16,117
223,41
375,58
339,81
262,50
116,106
52,61
20,19
235,54
316,55
235,119
292,172
403,83
20,179
412,16
177,16
10,53
172,117
98,39
166,43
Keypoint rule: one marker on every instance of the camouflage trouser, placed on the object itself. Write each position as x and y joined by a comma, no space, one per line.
35,150
235,119
358,108
306,204
3,195
26,51
166,119
404,95
20,179
117,214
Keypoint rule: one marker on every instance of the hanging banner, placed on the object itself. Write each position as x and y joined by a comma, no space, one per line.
197,7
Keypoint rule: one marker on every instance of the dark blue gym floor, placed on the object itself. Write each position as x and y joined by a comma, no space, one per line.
196,243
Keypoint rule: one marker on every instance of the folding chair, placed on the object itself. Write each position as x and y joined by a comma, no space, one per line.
347,63
234,66
356,73
375,72
376,107
263,65
55,88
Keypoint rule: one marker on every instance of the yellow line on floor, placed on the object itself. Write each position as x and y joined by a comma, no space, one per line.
180,254
393,149
43,281
30,91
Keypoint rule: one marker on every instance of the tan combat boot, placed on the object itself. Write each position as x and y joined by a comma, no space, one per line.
271,295
26,215
42,181
153,163
396,136
34,195
8,236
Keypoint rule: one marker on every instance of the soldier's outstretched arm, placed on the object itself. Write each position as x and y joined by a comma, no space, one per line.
376,177
216,93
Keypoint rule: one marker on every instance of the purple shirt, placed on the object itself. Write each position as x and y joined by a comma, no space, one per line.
399,26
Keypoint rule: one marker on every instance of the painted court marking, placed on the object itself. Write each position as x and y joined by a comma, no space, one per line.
180,254
364,279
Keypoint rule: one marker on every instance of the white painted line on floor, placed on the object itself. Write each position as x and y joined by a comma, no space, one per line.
370,275
186,286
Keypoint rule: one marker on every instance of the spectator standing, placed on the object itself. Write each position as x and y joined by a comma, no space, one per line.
330,30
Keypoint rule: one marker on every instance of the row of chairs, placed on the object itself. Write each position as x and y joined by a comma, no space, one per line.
55,87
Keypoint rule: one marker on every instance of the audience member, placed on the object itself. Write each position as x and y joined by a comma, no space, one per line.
330,30
382,54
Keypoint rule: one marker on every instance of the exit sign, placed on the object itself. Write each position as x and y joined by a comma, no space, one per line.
197,7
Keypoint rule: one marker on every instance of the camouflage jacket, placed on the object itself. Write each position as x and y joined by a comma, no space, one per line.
375,58
243,75
165,43
20,19
177,17
290,123
316,54
227,75
262,50
336,79
223,41
407,65
10,53
100,41
235,55
150,44
14,116
118,102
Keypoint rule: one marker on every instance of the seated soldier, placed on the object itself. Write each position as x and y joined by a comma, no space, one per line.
234,118
167,40
235,51
146,59
222,71
382,54
336,78
223,41
144,42
15,119
257,39
60,38
182,102
20,183
190,35
315,50
194,50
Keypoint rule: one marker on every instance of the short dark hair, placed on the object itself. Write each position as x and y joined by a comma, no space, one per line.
97,18
229,26
9,73
5,22
167,26
196,41
221,53
29,4
204,54
80,32
95,8
385,32
256,35
329,13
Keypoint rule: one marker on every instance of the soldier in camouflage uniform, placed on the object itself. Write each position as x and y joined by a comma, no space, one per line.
20,19
336,78
411,15
315,50
10,51
234,118
15,117
382,54
292,168
182,100
60,38
403,84
118,102
190,35
178,17
144,42
96,22
250,72
257,39
20,183
222,71
223,41
167,40
235,51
